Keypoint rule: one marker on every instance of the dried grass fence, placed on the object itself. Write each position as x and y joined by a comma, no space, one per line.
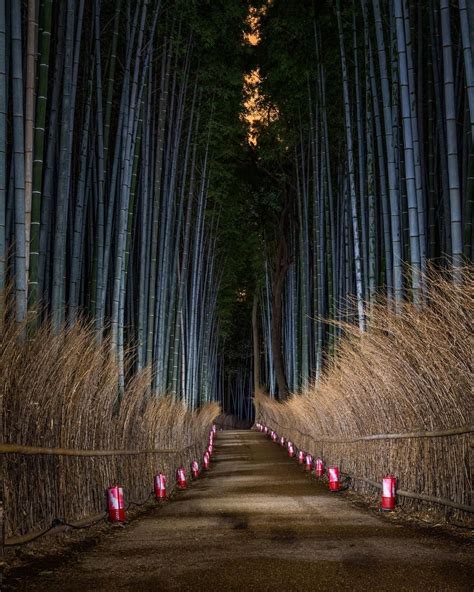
59,392
397,399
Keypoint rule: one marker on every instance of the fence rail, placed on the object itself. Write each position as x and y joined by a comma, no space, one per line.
75,524
6,449
37,450
397,436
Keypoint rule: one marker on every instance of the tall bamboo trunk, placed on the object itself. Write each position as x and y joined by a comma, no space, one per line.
351,175
29,117
3,155
451,140
278,280
18,161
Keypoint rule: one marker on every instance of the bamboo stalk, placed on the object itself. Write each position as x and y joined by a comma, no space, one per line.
3,154
19,161
30,75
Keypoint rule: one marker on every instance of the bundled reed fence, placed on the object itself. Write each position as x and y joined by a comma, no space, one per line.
397,399
59,392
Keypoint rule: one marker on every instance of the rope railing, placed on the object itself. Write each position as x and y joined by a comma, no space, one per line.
58,524
38,450
396,436
56,527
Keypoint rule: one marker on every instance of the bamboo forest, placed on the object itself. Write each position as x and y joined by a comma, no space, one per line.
226,225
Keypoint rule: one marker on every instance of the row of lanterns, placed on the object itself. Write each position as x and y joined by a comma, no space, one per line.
389,482
115,496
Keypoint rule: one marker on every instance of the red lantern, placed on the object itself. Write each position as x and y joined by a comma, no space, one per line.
214,428
265,429
195,469
274,437
116,504
282,441
389,487
291,450
333,473
160,486
205,461
309,462
210,449
181,478
301,457
319,467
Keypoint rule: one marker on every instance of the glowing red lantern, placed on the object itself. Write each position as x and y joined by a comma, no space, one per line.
160,486
319,467
195,469
389,486
333,473
308,462
116,504
181,478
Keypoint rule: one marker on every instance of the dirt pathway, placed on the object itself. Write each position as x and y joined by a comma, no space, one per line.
256,523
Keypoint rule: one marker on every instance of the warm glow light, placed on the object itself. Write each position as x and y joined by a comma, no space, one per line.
253,20
253,112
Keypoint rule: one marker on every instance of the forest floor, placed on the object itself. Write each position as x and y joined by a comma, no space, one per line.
256,523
